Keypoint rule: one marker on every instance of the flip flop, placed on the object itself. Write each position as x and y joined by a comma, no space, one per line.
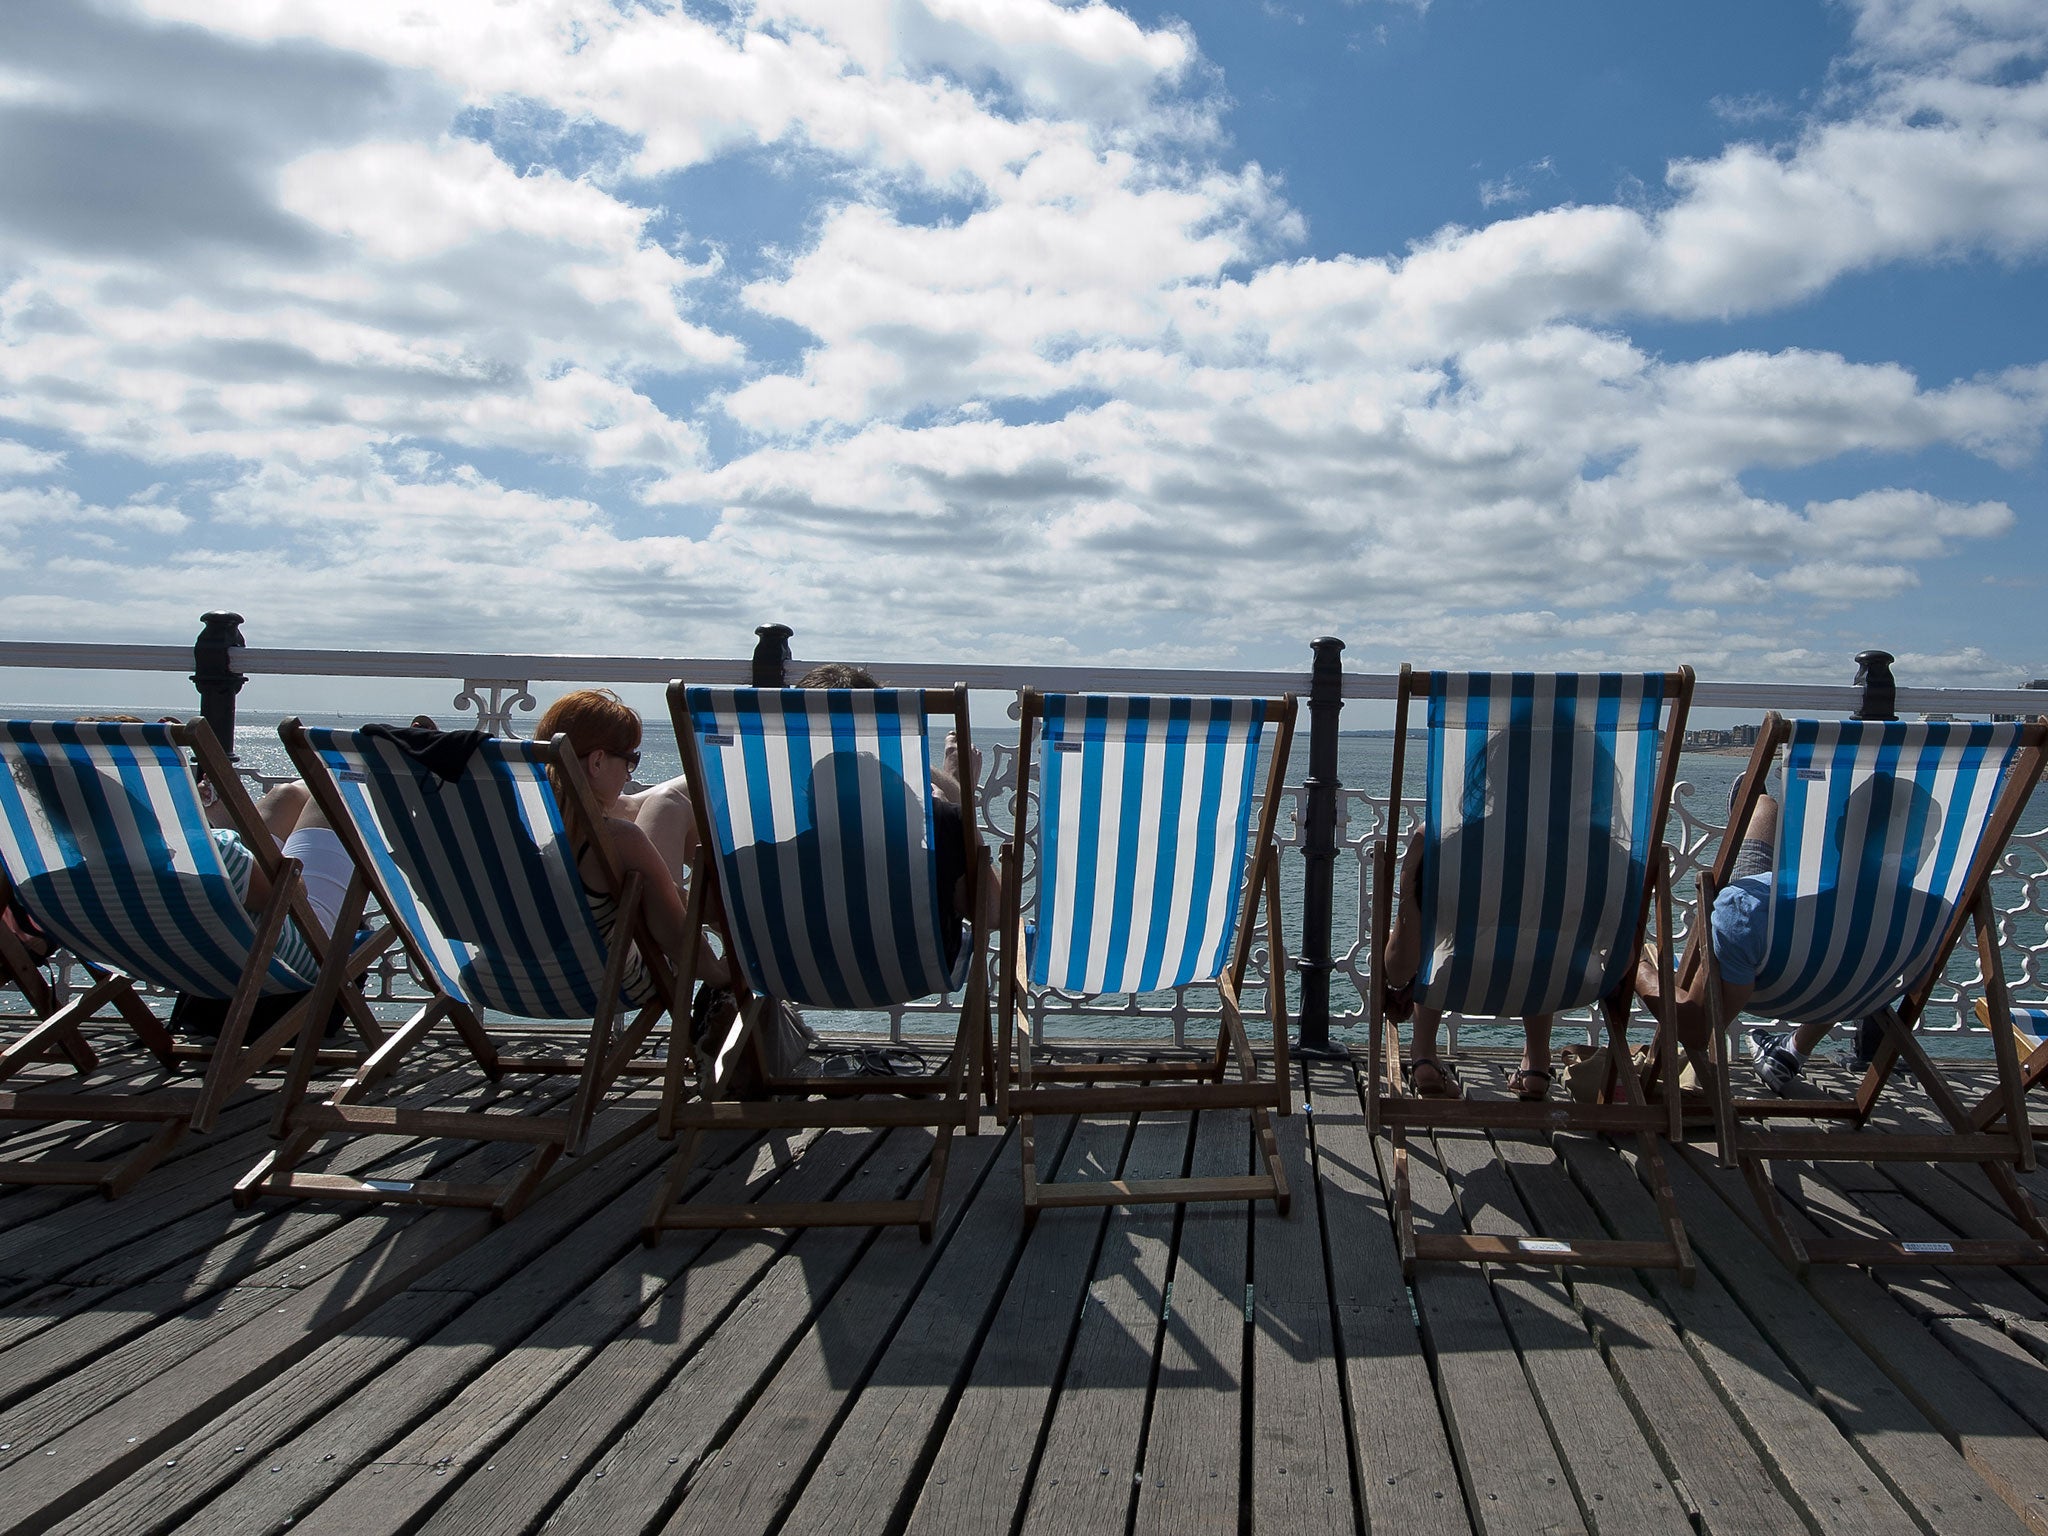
1523,1084
1447,1084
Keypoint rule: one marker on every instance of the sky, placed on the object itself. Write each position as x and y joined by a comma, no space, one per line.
1475,332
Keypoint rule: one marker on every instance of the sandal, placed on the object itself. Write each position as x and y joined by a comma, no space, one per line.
1530,1084
1447,1084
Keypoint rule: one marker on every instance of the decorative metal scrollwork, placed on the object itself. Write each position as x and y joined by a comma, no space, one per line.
494,699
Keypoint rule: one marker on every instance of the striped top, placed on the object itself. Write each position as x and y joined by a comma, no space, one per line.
820,805
478,871
104,836
1540,806
1144,815
1879,825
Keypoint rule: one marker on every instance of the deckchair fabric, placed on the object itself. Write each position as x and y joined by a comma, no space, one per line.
827,856
105,844
1145,807
1148,873
479,871
1888,832
1544,802
104,835
822,849
1879,825
469,856
1540,819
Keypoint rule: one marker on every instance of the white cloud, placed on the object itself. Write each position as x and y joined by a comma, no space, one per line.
1056,360
20,460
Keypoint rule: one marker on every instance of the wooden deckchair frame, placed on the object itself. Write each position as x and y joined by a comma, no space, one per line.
607,1054
225,1065
1969,1137
2033,1069
1388,1102
1026,1087
699,1088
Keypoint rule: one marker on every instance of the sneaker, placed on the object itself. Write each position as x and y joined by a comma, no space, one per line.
1777,1065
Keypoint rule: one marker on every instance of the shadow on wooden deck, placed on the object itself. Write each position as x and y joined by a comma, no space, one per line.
170,1363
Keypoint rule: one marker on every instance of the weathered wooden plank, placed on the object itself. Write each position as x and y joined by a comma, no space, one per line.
1299,1477
163,1494
1772,1349
977,1477
1514,1476
1996,1442
1685,1396
610,1352
673,1416
745,1485
114,1442
1616,1477
1408,1480
390,1386
259,1243
67,1243
872,1466
1194,1444
1083,1477
73,1389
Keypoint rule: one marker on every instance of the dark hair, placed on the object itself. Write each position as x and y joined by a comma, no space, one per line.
838,674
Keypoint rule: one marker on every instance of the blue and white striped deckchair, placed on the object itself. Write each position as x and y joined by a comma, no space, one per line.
1544,802
829,853
1148,877
106,845
1888,833
479,875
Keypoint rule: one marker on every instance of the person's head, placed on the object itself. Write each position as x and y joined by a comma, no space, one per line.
603,732
838,674
1895,823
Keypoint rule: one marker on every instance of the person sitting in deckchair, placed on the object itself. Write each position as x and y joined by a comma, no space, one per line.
1740,929
652,831
1608,861
949,840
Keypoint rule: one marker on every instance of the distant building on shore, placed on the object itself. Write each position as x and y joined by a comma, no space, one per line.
1738,736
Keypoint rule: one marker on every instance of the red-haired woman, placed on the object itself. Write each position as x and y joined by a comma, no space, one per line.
652,832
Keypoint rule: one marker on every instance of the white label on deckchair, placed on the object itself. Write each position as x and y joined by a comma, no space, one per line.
718,739
1929,1247
1543,1245
353,776
389,1186
1067,746
1813,773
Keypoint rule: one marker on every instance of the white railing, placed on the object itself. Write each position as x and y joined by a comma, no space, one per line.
497,689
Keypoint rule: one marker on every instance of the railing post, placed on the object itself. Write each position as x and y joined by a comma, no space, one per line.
771,655
1319,844
1880,702
216,681
1880,693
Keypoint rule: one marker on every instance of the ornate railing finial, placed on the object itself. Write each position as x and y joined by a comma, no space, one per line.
1880,693
216,680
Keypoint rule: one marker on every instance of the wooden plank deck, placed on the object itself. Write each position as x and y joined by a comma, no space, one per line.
168,1363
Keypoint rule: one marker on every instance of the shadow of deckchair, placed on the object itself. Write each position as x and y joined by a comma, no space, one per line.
819,863
105,843
1148,877
1542,853
473,864
1887,837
